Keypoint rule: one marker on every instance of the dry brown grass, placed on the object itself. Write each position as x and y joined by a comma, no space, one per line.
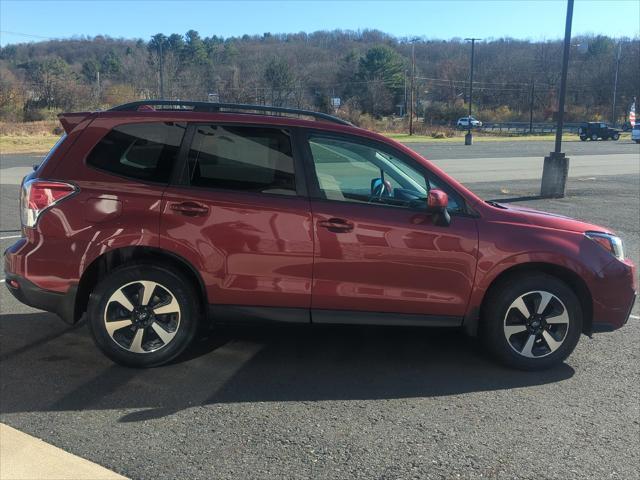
27,144
29,137
28,129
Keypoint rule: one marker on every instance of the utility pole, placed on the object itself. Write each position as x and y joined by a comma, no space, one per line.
161,69
413,76
98,85
615,85
556,165
404,110
533,87
468,138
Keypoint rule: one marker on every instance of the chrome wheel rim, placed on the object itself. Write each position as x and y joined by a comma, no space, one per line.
536,324
142,317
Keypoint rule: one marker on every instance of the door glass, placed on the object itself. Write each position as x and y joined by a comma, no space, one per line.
242,158
359,173
353,172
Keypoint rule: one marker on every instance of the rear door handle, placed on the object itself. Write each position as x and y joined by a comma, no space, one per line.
190,209
336,225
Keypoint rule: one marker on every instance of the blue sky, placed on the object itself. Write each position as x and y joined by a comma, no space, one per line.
26,20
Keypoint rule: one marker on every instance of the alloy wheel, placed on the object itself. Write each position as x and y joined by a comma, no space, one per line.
536,324
142,316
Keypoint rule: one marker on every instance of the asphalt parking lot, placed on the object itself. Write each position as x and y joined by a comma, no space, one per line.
291,402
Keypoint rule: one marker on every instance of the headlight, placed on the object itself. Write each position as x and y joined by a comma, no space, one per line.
610,243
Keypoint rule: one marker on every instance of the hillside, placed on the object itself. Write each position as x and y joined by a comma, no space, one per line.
369,71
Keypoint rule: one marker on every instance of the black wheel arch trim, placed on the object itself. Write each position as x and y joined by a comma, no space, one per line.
473,319
119,256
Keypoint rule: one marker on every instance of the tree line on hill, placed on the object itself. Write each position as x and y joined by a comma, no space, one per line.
368,71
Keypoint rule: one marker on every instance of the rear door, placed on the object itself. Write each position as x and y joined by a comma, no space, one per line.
239,213
378,251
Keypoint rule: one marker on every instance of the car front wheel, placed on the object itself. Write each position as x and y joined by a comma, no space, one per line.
532,322
594,137
616,136
143,315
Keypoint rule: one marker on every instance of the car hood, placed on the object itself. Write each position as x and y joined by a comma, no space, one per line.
549,220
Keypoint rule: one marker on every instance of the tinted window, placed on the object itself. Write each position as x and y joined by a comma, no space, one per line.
145,151
242,158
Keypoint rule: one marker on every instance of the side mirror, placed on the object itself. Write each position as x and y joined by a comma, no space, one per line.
437,202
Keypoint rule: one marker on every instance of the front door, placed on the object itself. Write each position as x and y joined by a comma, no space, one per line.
377,249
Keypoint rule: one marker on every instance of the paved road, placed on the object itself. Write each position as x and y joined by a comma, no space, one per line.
338,402
502,149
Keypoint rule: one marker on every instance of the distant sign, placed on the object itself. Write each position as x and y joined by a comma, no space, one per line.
335,102
213,97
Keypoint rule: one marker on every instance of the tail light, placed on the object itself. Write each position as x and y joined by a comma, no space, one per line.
40,195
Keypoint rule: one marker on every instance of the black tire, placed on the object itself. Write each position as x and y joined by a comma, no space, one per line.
594,137
637,141
583,138
616,136
499,304
173,285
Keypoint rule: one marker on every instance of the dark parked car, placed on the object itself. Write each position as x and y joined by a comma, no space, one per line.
155,216
598,131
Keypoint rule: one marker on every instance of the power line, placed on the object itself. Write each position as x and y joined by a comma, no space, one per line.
30,35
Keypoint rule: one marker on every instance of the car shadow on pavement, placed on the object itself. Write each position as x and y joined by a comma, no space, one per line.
47,366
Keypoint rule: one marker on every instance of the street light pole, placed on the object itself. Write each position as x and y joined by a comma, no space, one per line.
413,75
531,100
468,138
556,165
161,69
615,86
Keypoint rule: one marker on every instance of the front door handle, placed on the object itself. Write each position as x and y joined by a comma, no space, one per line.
336,225
190,209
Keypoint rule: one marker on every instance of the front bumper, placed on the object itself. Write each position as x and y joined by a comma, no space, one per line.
614,295
600,327
62,304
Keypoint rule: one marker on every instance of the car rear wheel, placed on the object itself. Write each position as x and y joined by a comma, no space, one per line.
616,136
142,315
532,322
583,137
594,137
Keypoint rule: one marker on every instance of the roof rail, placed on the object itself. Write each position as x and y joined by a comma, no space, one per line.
228,107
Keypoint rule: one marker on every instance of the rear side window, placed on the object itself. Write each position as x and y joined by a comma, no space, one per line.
144,151
252,159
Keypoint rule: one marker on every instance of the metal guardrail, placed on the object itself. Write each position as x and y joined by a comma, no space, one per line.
523,127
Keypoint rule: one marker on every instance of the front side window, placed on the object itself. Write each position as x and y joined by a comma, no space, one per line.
354,172
144,151
254,159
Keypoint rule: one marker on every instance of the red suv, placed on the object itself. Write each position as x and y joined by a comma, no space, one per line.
157,215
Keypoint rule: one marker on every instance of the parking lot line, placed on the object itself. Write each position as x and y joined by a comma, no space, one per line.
25,457
11,236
